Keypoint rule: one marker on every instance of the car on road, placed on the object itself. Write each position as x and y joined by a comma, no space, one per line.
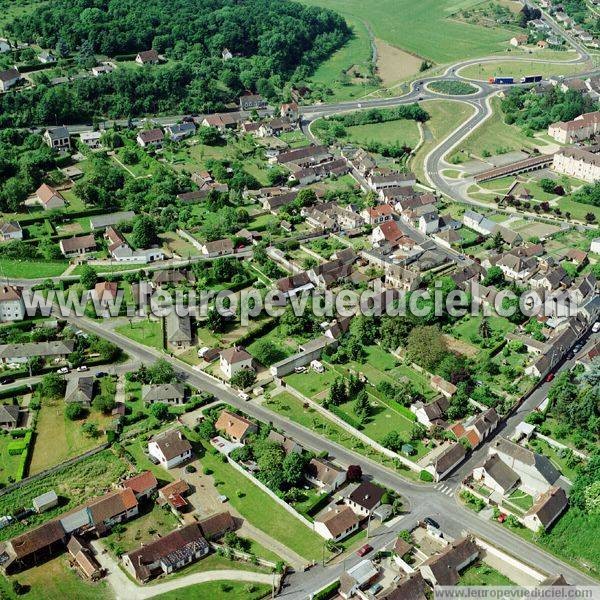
244,396
549,377
6,380
63,370
82,368
364,550
596,327
431,523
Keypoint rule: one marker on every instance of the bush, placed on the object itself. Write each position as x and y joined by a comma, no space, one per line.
75,411
425,476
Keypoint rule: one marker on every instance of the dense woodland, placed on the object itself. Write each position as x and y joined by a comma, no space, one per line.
534,112
273,42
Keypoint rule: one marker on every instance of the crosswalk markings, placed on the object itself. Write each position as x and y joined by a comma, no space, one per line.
444,489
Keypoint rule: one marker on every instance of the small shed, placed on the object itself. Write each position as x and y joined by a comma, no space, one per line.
45,501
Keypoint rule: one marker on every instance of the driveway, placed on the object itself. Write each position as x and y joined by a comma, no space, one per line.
125,589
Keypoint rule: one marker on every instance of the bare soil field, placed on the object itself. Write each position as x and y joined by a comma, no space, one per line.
460,347
394,64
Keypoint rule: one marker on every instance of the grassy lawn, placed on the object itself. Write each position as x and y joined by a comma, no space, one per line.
74,484
153,521
482,574
575,539
556,459
578,210
403,131
285,347
219,590
521,499
145,332
24,269
446,115
467,329
495,136
295,139
55,580
506,68
256,506
58,438
424,28
357,51
107,268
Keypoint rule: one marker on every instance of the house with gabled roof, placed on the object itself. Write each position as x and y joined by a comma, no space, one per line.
234,359
147,57
337,523
167,554
9,416
496,475
58,138
324,474
169,393
170,448
547,509
77,245
80,390
150,137
365,498
447,461
8,78
235,427
142,485
10,230
179,330
536,471
49,198
444,568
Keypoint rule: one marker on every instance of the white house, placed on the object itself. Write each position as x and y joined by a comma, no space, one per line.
234,359
170,448
478,222
324,474
496,475
536,472
8,78
337,523
365,498
12,307
11,230
547,509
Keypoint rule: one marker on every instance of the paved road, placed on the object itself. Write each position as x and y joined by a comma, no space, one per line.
453,517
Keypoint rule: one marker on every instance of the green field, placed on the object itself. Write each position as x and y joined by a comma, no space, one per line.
356,52
404,131
219,590
507,68
446,115
8,463
424,28
146,332
23,269
481,574
58,438
494,136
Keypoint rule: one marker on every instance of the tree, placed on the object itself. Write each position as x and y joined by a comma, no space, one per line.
305,197
498,241
362,406
293,468
160,410
392,441
267,353
74,411
161,372
88,277
355,385
354,473
143,234
210,136
243,379
494,276
90,430
52,385
426,346
337,392
364,328
547,185
104,404
215,321
484,329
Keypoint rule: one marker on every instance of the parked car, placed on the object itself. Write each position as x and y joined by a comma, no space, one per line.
364,550
300,370
596,327
6,380
82,368
244,396
101,374
549,377
63,370
431,522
